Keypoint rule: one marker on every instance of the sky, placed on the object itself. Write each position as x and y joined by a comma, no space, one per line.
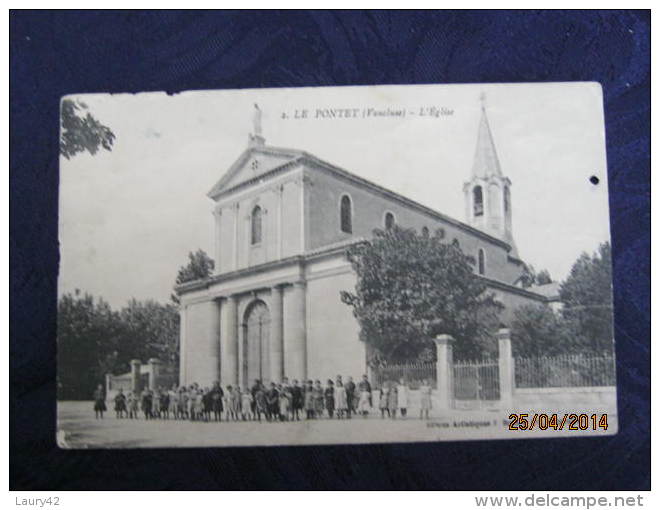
129,217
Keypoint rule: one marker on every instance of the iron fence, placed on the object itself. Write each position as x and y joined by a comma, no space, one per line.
125,382
412,373
120,382
573,370
476,380
167,379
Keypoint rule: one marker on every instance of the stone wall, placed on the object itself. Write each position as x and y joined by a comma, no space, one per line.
369,209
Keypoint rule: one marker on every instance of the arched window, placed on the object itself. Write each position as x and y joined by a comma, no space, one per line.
425,231
255,224
389,220
478,201
346,215
507,199
482,262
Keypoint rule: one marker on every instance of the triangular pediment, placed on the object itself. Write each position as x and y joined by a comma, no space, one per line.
253,162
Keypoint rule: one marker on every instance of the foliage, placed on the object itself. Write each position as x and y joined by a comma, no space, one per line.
527,276
87,334
536,330
199,267
81,132
530,277
93,340
150,329
413,287
587,298
543,277
585,322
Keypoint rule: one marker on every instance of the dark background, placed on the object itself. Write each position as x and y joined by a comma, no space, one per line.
58,53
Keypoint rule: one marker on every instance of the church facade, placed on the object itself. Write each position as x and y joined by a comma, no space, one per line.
283,221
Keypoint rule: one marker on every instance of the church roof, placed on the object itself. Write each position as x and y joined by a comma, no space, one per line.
486,162
549,290
281,158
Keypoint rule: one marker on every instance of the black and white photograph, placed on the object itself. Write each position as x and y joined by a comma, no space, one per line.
334,265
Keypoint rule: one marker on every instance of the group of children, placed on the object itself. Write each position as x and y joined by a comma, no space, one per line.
276,402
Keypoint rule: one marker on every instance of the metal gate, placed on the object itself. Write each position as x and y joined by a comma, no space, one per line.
476,384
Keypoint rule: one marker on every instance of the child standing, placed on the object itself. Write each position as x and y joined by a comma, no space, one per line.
199,404
330,398
341,400
99,402
402,397
285,402
425,400
393,401
382,401
236,402
133,403
183,402
155,403
164,400
363,402
192,395
309,400
296,400
246,405
218,396
319,399
173,397
272,398
120,404
147,401
207,403
260,403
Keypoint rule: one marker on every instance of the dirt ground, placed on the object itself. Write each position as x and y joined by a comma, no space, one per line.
78,428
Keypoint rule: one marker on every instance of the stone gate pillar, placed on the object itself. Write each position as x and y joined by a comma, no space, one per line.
135,376
444,371
506,367
154,363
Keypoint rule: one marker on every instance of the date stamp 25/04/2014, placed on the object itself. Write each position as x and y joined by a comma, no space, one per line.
569,421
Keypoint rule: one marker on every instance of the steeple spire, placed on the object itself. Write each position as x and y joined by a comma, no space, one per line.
486,162
488,192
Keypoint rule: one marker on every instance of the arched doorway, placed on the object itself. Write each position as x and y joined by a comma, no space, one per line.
256,328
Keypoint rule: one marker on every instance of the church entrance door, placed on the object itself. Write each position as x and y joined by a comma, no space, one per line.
255,345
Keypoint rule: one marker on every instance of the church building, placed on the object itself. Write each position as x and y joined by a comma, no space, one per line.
283,221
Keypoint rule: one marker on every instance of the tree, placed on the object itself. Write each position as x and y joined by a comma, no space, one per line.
93,340
543,277
537,331
587,298
585,322
88,334
413,287
150,330
199,267
82,133
529,277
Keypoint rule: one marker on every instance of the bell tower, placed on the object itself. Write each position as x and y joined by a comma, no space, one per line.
488,192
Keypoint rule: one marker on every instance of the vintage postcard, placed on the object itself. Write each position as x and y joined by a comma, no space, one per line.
334,265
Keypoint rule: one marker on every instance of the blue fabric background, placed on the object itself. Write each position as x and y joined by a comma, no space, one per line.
57,53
